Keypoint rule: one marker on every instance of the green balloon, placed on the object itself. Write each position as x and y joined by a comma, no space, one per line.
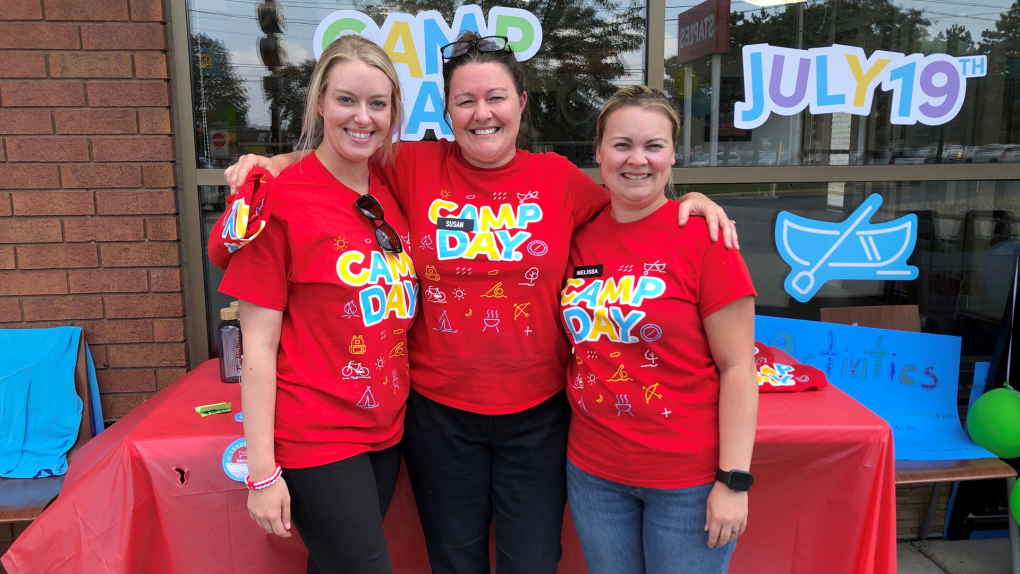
1014,502
994,422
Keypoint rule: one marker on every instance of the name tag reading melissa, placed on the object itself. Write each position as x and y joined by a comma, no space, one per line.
588,271
454,223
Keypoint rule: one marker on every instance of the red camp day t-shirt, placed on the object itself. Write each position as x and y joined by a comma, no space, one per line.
490,246
642,383
342,374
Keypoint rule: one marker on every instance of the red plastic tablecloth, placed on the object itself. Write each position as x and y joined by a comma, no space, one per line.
823,500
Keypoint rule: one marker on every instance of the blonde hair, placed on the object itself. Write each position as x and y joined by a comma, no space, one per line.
350,48
640,97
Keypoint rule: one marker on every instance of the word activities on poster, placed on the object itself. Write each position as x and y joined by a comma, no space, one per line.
413,42
909,379
925,89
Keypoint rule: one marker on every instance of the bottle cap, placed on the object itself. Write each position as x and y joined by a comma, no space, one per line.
228,314
233,304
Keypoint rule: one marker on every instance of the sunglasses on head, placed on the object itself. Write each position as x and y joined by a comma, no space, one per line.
385,235
486,44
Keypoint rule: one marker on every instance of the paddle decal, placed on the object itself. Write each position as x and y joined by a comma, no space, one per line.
818,251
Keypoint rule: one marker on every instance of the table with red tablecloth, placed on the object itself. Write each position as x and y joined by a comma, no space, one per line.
150,495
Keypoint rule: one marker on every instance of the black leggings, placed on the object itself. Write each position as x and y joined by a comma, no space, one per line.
338,509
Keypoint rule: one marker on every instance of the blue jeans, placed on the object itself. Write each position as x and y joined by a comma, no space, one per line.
634,530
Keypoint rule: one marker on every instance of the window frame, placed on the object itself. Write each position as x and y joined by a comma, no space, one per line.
190,178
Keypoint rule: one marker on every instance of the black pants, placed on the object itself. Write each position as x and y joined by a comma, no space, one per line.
468,469
338,510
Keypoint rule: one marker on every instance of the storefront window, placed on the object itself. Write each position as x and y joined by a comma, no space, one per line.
964,108
212,201
967,233
250,69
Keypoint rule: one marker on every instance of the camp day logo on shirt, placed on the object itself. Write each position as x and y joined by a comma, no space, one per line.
493,237
601,318
397,296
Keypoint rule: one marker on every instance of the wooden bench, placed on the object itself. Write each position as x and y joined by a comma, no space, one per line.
24,499
934,472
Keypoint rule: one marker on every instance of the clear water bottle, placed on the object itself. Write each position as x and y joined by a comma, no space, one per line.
230,345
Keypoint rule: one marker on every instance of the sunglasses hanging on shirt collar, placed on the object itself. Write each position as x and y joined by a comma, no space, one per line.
385,235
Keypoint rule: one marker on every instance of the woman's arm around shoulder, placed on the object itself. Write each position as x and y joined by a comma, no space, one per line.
237,173
695,203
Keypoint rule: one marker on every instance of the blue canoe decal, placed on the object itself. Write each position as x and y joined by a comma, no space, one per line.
818,251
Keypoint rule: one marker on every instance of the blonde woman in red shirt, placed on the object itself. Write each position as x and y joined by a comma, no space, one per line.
322,434
663,385
490,228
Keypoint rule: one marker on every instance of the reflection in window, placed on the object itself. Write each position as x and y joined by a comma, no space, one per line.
967,233
706,85
249,85
213,202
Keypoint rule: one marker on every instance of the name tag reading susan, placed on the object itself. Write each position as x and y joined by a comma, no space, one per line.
455,224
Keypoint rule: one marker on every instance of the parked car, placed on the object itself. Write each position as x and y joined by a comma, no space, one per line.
991,153
770,158
952,153
702,160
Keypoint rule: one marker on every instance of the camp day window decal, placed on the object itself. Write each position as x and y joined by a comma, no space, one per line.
413,43
925,89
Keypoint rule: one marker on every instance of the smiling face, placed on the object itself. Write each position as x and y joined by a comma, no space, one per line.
355,110
635,158
485,112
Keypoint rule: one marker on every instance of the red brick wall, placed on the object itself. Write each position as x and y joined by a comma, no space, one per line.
89,234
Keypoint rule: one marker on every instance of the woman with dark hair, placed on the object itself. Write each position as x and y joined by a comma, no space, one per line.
491,223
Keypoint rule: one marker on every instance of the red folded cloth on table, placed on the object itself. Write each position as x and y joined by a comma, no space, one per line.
247,213
778,372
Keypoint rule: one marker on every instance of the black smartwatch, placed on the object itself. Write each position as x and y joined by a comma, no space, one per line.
735,479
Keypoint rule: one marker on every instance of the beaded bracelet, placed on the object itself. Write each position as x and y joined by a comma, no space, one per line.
252,485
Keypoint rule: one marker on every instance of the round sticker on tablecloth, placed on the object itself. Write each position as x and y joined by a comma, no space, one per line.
239,417
235,460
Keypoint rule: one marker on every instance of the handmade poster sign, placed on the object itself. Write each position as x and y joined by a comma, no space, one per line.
818,251
413,43
909,379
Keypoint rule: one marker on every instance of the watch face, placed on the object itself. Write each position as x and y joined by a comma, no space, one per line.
740,480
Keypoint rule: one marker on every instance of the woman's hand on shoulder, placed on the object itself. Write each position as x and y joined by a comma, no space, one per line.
726,515
695,203
236,174
270,508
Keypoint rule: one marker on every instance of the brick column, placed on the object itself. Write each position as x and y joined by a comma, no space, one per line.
89,232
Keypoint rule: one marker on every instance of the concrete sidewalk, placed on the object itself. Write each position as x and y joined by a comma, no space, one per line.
953,557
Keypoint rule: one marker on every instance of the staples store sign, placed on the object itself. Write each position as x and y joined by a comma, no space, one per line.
414,42
703,30
925,89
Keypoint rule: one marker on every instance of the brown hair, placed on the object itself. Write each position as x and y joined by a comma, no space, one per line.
350,48
504,58
640,97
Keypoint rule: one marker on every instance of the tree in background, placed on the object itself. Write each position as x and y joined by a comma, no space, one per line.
292,81
218,92
578,67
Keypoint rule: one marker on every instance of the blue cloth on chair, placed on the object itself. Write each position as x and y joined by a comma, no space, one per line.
40,411
95,405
